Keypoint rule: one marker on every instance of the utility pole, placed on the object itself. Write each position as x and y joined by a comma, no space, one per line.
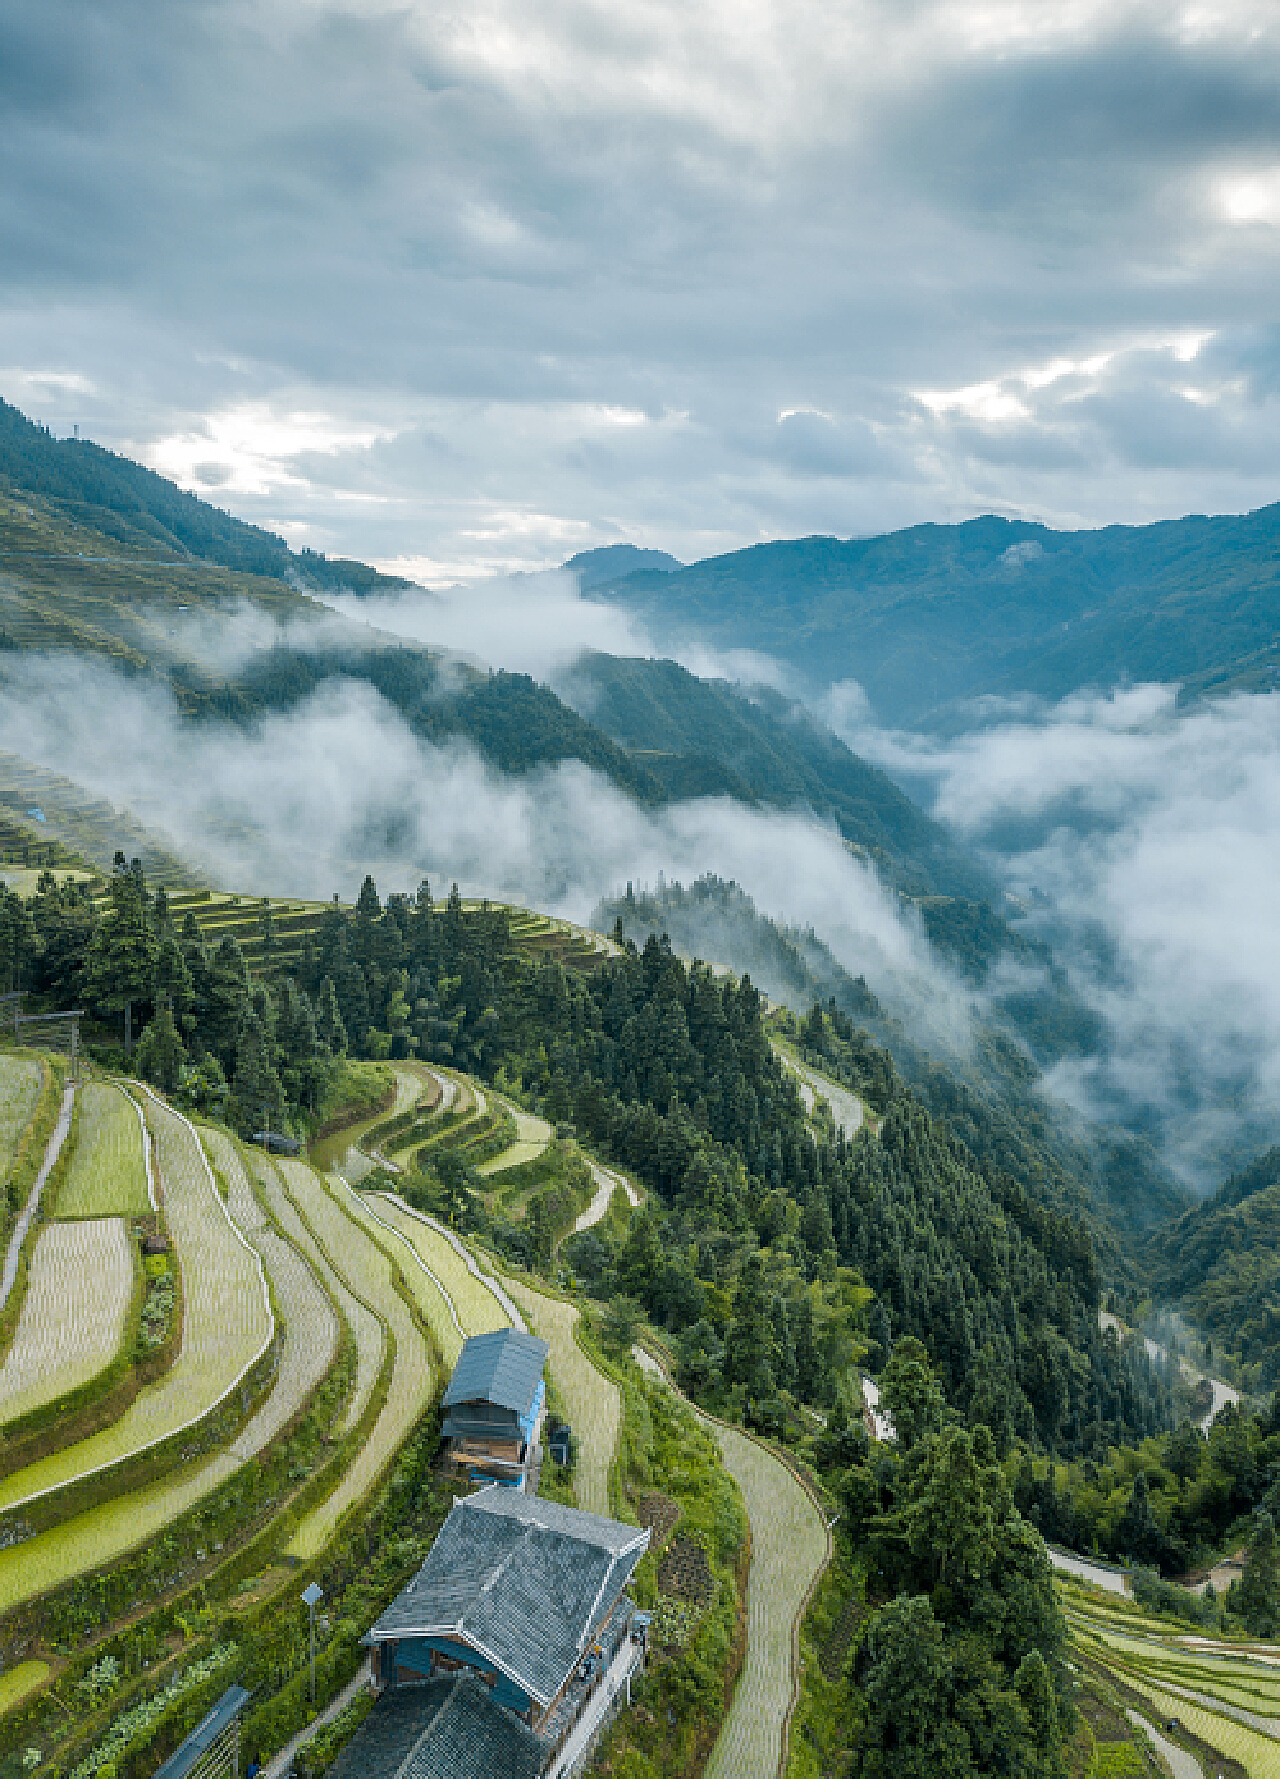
313,1595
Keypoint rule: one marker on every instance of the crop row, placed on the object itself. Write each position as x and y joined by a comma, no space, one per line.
80,1285
20,1081
107,1172
353,1252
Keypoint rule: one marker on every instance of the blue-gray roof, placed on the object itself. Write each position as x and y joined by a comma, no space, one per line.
523,1581
450,1728
503,1367
205,1734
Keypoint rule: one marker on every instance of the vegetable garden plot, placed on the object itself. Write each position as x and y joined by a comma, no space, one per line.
369,1271
79,1288
478,1309
226,1326
107,1170
366,1329
788,1552
592,1402
19,1097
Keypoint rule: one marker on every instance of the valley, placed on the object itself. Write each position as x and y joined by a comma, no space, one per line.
845,1301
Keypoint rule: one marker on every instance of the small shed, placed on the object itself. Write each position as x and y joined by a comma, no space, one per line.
493,1406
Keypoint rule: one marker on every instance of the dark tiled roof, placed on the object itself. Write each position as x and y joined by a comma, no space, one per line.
502,1367
450,1728
521,1580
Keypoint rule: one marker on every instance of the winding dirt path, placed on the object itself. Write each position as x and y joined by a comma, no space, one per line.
790,1548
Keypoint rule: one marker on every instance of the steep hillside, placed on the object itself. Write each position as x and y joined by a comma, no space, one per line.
1221,1264
938,613
988,1091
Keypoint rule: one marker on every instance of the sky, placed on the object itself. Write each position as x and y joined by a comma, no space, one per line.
466,291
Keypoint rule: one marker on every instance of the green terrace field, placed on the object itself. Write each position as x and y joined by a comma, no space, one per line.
227,1323
107,1172
1221,1697
592,1402
371,1274
20,1082
80,1287
78,828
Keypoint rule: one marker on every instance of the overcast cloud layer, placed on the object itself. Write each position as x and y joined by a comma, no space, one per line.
1145,843
472,290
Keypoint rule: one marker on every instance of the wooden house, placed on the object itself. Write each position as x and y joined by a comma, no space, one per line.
493,1406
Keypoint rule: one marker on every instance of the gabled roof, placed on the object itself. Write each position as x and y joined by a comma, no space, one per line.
522,1581
445,1729
503,1367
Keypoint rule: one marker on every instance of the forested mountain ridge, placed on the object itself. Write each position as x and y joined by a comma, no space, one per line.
132,505
930,616
989,1094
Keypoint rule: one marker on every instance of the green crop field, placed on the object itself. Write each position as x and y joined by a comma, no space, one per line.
788,1552
107,1171
533,1134
478,1309
16,1683
226,1326
73,1318
311,1330
428,1291
366,1328
592,1402
369,1271
1223,1695
19,1097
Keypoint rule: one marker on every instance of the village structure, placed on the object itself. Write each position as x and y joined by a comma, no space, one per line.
509,1652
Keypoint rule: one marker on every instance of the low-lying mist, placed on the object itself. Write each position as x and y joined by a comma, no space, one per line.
304,803
1142,839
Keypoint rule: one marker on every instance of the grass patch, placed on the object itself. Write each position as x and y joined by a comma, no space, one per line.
19,1681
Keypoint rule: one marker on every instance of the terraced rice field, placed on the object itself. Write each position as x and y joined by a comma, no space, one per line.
428,1291
592,1402
107,1171
1225,1695
789,1550
227,1322
846,1108
16,1683
368,1271
533,1134
19,1097
478,1309
366,1328
311,1330
79,1288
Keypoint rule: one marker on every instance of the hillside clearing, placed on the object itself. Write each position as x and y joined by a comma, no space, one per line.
79,1288
107,1171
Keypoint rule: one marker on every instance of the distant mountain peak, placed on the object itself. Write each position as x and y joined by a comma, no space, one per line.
611,563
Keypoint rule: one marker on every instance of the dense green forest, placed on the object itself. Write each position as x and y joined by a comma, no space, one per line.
772,1255
1221,1262
939,614
987,1090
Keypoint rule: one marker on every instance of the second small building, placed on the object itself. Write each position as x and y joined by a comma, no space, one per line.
493,1406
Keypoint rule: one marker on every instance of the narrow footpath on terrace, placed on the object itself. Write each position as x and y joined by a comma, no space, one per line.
28,1211
790,1548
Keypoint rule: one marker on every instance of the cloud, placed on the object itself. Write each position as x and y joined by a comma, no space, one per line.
484,288
1144,841
306,803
